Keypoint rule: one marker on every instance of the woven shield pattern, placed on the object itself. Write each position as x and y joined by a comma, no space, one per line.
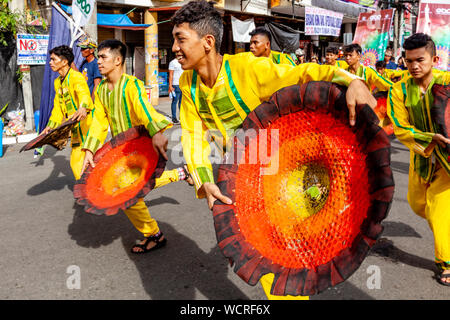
309,205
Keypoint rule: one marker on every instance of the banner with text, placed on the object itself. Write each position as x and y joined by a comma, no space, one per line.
82,11
372,34
434,20
322,22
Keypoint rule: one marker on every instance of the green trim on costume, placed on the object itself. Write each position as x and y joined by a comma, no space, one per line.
124,98
290,59
205,174
234,89
194,86
149,117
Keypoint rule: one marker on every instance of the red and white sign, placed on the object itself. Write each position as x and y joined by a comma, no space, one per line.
32,48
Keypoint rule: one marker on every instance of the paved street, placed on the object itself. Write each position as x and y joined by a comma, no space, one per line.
43,234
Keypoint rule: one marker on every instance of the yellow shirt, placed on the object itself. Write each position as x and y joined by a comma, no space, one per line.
281,58
71,93
341,64
242,84
410,112
372,78
122,108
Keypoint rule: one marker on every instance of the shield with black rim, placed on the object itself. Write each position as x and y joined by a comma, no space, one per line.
125,171
309,192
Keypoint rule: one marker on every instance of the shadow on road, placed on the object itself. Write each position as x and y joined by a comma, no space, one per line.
385,248
176,271
401,167
60,177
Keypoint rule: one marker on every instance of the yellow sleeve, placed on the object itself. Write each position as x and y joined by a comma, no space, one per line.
194,140
99,128
414,139
373,78
269,77
57,116
394,73
144,111
82,93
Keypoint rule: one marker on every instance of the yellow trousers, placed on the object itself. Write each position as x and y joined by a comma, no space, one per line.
266,282
431,201
139,214
76,161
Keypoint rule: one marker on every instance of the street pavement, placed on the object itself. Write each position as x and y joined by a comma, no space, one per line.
51,249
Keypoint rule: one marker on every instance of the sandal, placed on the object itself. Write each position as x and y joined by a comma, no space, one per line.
156,238
188,178
444,276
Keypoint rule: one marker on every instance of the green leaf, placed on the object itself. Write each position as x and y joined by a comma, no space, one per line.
4,109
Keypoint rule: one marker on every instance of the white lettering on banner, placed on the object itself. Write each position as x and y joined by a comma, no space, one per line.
442,11
82,11
319,21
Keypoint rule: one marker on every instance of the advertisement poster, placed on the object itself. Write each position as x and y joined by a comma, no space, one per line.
322,22
434,20
32,48
372,34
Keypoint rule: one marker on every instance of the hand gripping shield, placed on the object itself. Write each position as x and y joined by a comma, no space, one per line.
125,171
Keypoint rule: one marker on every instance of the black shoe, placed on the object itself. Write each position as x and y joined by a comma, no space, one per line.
174,120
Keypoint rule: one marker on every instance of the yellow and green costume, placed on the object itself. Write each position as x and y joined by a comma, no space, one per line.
429,171
72,93
372,78
244,82
341,64
120,109
281,58
391,74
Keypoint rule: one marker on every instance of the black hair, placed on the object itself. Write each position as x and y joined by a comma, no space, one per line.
262,31
64,52
420,40
353,47
114,45
333,50
380,64
203,18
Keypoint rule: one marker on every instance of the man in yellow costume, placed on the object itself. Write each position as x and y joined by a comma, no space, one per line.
373,79
331,58
409,107
260,46
220,91
72,101
121,103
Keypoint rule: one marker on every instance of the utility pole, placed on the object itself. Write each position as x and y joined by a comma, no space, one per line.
26,78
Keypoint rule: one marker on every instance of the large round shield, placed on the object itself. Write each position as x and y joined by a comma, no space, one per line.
125,171
57,137
440,112
309,192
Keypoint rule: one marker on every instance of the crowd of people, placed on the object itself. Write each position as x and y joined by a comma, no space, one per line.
246,80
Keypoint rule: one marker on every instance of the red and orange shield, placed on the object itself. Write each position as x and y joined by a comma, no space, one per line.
309,208
125,171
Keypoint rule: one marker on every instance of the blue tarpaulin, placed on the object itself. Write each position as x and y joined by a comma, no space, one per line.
59,35
106,20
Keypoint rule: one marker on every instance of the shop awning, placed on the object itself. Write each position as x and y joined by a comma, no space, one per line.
117,21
